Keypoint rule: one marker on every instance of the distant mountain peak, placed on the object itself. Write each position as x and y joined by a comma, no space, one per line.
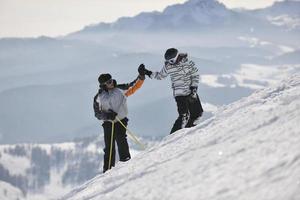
189,14
207,3
199,5
196,12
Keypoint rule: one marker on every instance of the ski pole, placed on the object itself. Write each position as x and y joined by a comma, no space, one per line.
111,144
132,136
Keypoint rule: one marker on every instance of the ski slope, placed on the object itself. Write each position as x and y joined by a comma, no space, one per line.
247,150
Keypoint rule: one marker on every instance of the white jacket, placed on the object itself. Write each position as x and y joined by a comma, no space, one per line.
113,100
183,75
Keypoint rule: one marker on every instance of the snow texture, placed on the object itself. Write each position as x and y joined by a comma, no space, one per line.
247,150
10,162
9,192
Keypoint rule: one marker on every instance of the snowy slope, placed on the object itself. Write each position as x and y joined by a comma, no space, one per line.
248,150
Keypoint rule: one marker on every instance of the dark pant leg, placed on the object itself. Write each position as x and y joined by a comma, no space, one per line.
107,127
182,108
195,110
121,139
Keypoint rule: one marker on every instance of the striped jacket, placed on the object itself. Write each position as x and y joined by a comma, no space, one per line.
183,74
115,99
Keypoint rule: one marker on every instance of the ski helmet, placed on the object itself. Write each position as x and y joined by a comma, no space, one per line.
171,55
103,78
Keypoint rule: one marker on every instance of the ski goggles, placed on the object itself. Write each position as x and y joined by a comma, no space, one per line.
109,82
172,61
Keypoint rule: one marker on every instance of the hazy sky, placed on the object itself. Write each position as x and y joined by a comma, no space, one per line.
31,18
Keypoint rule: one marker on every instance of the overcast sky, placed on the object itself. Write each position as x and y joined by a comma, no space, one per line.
31,18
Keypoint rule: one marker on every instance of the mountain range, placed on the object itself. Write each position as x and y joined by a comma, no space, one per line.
192,15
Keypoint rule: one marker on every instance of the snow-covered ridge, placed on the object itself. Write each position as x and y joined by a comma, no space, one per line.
284,7
282,13
37,170
9,192
285,20
248,150
47,171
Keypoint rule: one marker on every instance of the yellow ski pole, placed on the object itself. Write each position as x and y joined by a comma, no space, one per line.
111,144
132,136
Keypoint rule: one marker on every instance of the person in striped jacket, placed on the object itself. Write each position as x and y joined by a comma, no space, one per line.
185,78
110,104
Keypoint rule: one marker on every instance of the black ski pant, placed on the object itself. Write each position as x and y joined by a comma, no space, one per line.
189,109
120,137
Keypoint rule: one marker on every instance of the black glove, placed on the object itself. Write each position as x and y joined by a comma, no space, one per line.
98,115
111,115
148,72
193,91
141,69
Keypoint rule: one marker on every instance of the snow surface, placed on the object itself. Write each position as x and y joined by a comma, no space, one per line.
65,146
291,22
21,164
53,190
209,107
9,192
253,76
256,42
259,76
247,150
17,165
210,80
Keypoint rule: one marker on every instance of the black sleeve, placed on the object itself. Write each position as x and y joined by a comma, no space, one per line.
126,86
101,115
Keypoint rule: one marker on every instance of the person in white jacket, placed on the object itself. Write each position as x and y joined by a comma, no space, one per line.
185,78
110,104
